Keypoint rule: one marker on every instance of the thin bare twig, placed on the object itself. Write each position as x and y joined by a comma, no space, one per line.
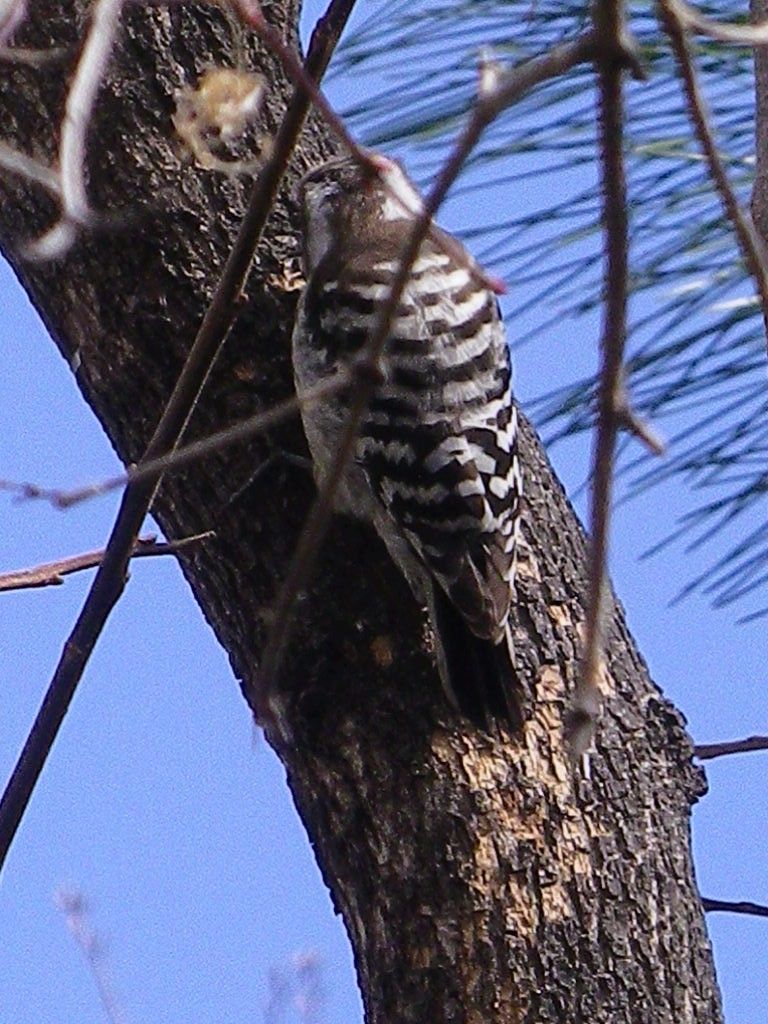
707,751
151,469
296,984
75,208
367,370
297,72
75,909
12,14
51,574
627,419
724,32
611,34
32,58
743,907
26,167
111,574
750,243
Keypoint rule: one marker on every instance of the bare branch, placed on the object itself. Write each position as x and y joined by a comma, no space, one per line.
26,167
611,33
751,245
296,984
513,84
627,419
707,751
81,97
756,909
740,35
51,574
12,14
252,15
152,469
75,909
367,369
32,58
111,574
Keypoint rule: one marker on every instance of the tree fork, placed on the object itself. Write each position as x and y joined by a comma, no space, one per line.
480,879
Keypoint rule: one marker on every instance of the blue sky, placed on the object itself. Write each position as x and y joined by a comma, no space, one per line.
165,807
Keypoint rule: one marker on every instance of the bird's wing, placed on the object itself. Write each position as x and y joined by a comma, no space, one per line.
455,497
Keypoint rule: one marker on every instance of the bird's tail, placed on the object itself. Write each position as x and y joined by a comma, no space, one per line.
478,675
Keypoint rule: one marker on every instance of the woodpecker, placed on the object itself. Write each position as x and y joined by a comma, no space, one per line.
435,468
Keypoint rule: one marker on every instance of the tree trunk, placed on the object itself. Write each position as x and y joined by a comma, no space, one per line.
480,878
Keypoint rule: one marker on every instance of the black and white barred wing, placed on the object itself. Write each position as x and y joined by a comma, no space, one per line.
439,443
455,523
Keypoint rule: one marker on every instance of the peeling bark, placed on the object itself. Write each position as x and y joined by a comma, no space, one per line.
480,879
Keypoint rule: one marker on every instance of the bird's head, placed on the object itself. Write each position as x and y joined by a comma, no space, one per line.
344,200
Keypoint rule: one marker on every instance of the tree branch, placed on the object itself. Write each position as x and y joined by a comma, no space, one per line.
81,97
32,58
75,909
756,909
150,470
613,59
707,751
750,243
51,574
25,166
740,35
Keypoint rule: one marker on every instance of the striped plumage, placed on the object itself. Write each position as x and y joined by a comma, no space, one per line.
435,467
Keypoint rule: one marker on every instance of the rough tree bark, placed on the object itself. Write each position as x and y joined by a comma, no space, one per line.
480,880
